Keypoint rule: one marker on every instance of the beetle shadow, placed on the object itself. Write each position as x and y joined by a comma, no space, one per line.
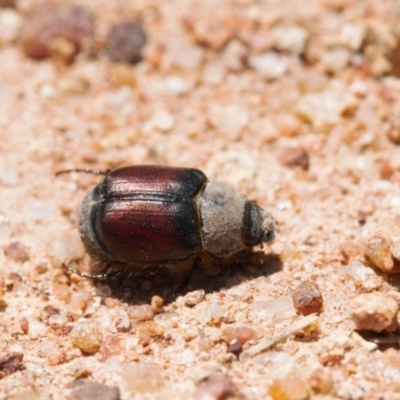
209,274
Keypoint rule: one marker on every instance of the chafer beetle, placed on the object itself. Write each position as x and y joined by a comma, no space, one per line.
143,216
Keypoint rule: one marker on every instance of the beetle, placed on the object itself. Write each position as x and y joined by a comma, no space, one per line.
146,215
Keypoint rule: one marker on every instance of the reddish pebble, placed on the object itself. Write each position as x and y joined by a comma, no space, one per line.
307,298
239,334
294,157
216,387
55,355
125,42
7,3
11,362
394,135
350,249
143,312
386,170
17,251
235,348
24,325
110,347
56,29
61,291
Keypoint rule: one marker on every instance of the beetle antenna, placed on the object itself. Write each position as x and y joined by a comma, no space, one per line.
100,276
83,170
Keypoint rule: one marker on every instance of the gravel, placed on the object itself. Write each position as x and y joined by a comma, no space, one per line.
295,104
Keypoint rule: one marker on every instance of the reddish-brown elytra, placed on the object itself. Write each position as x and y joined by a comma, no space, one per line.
142,216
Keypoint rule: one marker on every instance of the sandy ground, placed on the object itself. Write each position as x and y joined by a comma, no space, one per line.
293,103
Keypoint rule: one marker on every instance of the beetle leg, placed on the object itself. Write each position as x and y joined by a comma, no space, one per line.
83,170
99,276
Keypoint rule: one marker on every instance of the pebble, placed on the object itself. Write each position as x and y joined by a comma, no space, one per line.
142,377
143,312
332,357
17,251
214,73
87,336
325,110
363,276
7,3
386,170
374,311
350,249
307,298
290,38
79,302
321,382
216,387
394,135
111,346
56,29
193,298
382,248
231,121
238,334
55,355
10,26
185,56
203,314
281,307
125,42
335,60
24,325
162,120
149,330
88,390
234,56
57,321
9,175
216,312
352,36
235,348
238,168
123,324
157,304
177,85
62,245
11,362
289,388
269,65
121,96
36,329
294,156
287,124
123,76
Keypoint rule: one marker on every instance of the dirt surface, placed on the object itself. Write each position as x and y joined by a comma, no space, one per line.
295,104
